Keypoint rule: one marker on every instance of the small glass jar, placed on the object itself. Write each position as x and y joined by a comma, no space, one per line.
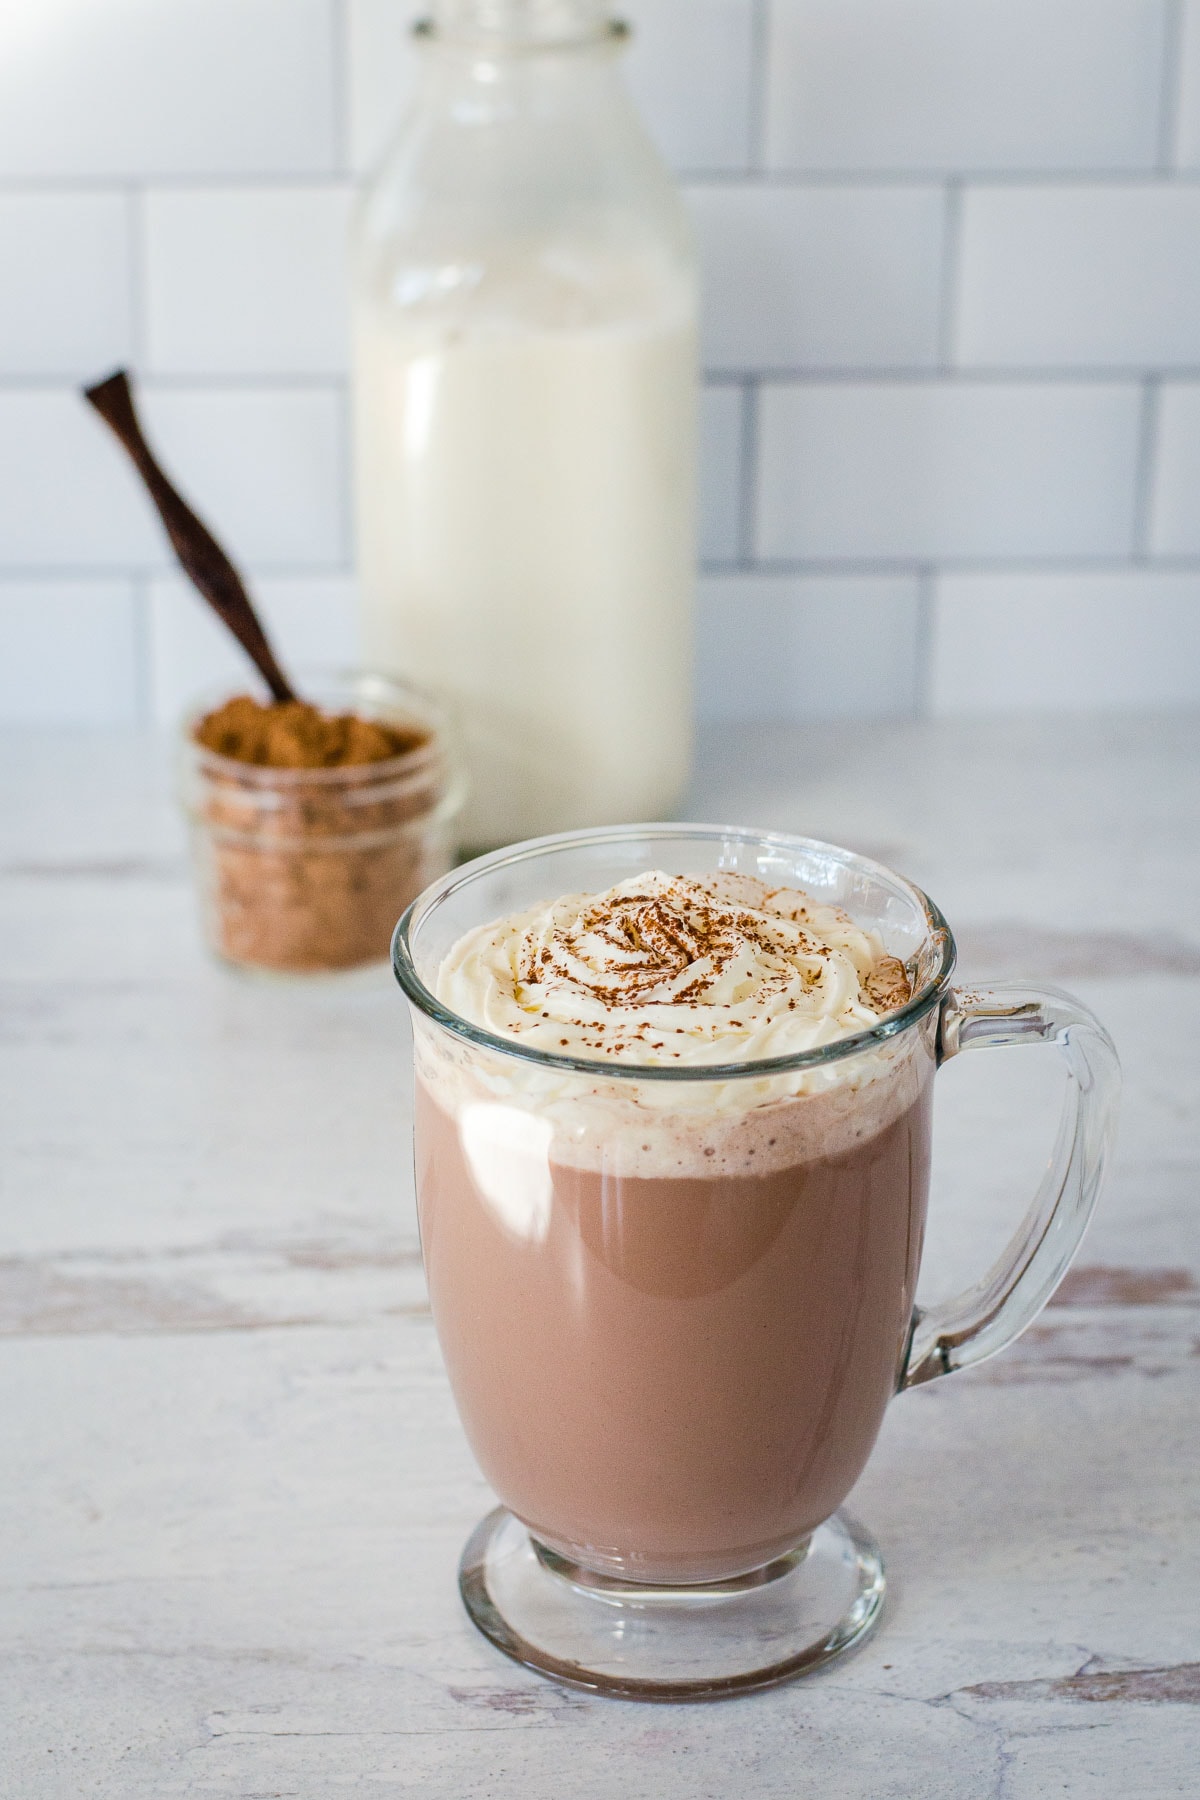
305,871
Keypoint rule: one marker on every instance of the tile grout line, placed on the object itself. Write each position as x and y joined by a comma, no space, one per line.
139,302
923,650
1146,469
962,375
1171,86
211,381
748,457
760,49
340,79
143,680
135,205
1147,175
1016,565
122,181
951,263
25,574
1141,175
348,532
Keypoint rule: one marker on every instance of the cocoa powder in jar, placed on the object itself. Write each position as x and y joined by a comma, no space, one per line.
314,828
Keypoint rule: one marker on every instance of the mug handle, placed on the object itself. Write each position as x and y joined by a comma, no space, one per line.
988,1316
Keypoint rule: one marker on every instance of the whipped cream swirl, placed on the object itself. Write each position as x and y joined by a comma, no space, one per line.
671,970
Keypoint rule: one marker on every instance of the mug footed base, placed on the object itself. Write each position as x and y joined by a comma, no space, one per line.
645,1642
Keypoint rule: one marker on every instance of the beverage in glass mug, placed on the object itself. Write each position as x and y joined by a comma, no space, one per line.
672,1329
672,1134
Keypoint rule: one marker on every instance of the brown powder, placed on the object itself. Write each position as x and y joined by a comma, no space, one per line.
291,734
313,831
887,987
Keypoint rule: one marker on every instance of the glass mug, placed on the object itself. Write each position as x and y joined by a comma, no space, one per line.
674,1303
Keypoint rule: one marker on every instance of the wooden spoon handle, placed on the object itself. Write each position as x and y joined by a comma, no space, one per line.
201,557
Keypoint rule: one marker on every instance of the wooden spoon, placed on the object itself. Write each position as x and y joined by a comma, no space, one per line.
201,557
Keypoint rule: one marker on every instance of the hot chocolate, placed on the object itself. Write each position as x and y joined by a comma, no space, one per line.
673,1311
683,1376
672,1138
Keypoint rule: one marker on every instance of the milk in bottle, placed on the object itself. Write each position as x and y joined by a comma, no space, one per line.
524,393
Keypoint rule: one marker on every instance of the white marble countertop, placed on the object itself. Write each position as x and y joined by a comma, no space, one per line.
233,1488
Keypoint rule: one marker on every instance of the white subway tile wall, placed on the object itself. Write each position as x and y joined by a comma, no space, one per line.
1185,135
951,420
1064,642
946,470
223,272
722,442
1023,85
380,60
310,620
838,277
69,652
832,646
1175,514
92,90
51,246
66,502
1080,277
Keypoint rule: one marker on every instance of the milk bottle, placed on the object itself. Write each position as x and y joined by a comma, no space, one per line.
524,402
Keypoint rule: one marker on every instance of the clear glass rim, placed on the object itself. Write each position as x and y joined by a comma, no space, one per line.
923,1001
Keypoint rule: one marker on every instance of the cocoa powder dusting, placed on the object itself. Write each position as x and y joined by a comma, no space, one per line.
888,987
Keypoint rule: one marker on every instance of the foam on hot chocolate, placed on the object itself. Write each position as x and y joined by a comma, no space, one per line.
667,971
664,970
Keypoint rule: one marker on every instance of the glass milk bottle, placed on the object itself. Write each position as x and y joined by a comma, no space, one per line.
525,394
